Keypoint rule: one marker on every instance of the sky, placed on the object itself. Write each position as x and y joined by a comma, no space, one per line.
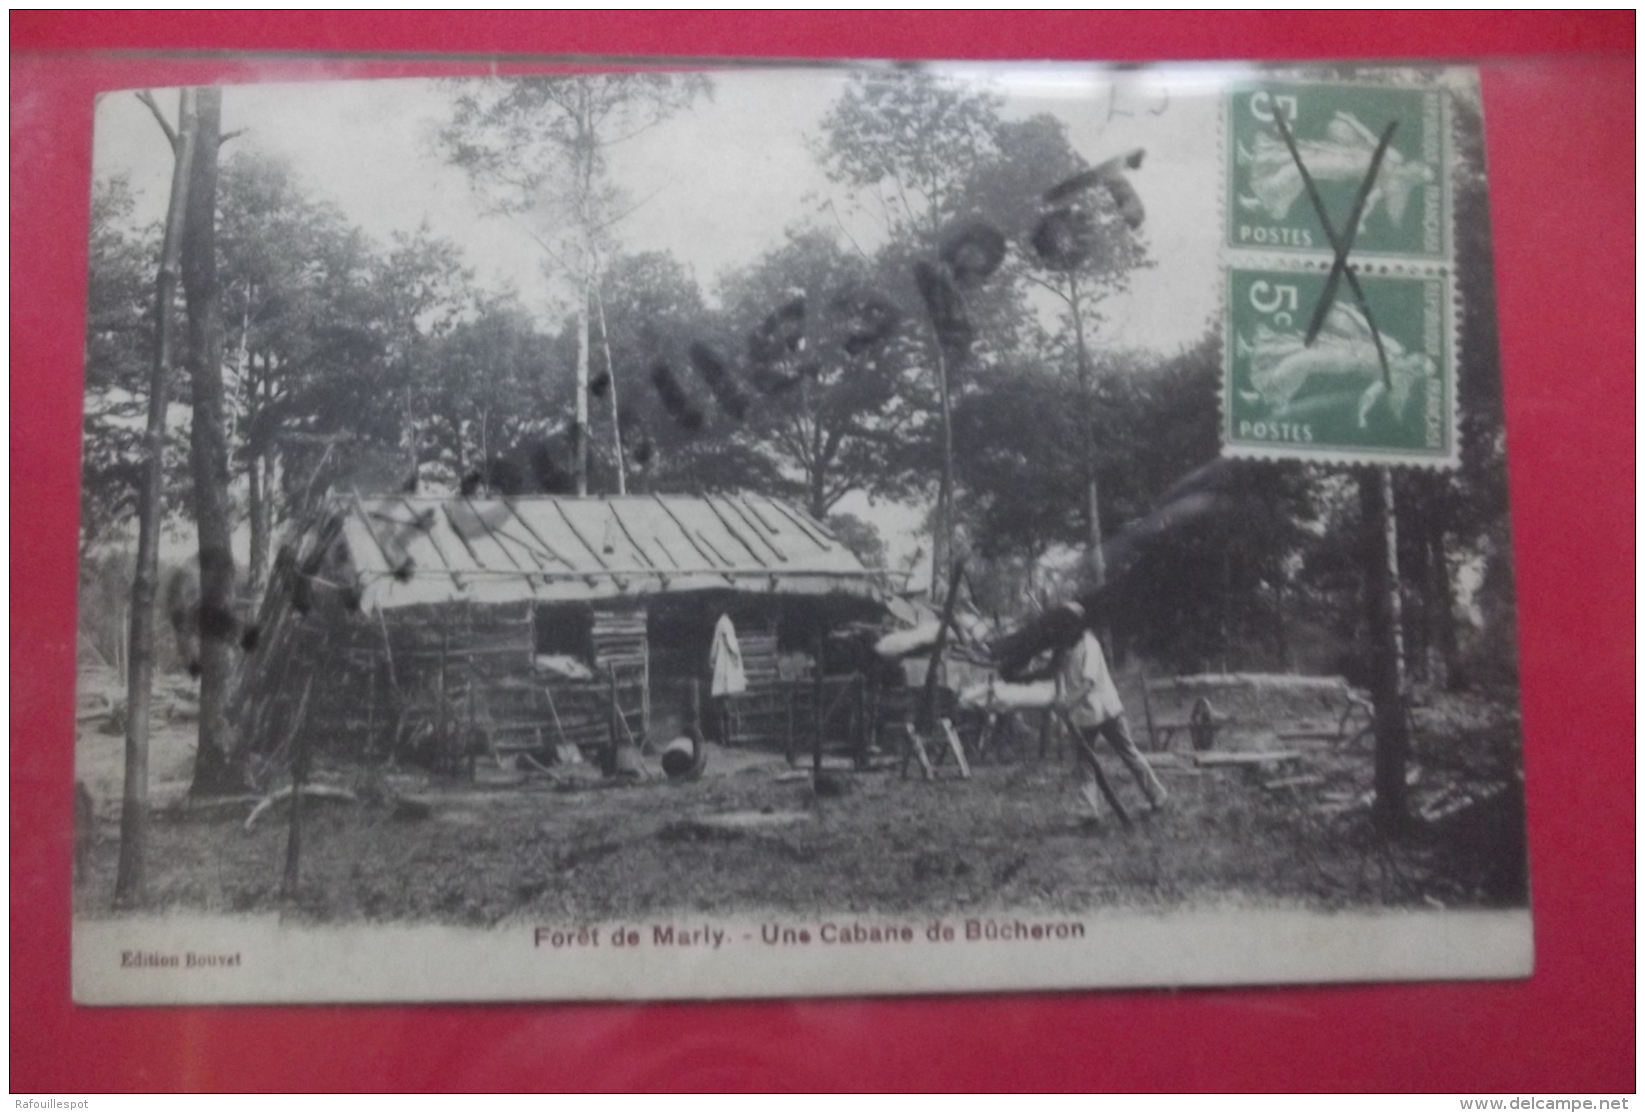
723,182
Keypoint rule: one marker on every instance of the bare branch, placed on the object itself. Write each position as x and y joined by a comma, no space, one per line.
616,218
829,205
1038,281
171,133
227,135
542,243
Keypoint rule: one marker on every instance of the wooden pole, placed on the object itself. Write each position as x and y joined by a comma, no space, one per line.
697,709
299,777
817,706
1148,713
468,730
788,742
611,718
859,721
371,711
442,737
928,699
1084,752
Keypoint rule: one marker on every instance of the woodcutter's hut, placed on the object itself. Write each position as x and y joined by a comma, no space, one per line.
436,628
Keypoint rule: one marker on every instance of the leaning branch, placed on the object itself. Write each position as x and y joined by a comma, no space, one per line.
160,117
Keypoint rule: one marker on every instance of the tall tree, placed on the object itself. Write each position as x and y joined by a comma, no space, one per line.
835,410
538,148
292,281
481,388
652,310
217,760
903,143
423,291
120,339
1084,250
129,879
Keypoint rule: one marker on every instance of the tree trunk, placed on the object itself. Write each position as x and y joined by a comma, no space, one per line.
1382,605
130,881
254,511
1282,632
216,762
1088,447
259,499
942,529
1417,644
611,386
1445,618
816,494
579,431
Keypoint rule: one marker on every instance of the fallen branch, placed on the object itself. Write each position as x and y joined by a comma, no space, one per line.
197,805
274,798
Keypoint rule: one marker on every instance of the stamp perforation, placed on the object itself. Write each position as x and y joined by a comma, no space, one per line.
1369,264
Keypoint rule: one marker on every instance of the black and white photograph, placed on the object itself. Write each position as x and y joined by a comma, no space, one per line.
629,532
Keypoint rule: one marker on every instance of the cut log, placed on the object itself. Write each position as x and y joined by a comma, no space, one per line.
201,805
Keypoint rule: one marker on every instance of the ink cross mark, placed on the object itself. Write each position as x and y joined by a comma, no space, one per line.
1341,243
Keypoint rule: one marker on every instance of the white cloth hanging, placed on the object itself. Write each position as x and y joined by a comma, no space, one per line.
725,658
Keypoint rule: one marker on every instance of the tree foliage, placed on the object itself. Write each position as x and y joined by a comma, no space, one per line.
836,411
810,373
120,342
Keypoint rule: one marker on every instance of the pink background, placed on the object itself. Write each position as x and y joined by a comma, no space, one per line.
1560,120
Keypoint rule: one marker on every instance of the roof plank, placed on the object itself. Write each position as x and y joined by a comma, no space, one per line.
545,548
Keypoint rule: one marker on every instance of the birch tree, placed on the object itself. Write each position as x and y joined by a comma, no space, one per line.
537,150
904,144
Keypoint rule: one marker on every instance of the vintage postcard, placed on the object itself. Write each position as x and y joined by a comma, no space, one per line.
864,529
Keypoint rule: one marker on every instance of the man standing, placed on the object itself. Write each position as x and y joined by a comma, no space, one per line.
1086,696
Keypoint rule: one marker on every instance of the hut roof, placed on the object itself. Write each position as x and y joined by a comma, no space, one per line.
418,550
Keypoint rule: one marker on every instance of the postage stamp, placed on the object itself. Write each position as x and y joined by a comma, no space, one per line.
1376,385
1334,133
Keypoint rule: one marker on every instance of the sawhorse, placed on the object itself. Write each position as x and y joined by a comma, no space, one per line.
915,748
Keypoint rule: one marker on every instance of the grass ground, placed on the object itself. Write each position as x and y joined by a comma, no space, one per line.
515,844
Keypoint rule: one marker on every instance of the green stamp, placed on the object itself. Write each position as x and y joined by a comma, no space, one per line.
1336,130
1336,399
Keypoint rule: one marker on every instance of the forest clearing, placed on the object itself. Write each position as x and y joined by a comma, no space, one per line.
514,844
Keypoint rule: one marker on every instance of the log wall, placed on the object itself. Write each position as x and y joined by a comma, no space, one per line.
463,676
